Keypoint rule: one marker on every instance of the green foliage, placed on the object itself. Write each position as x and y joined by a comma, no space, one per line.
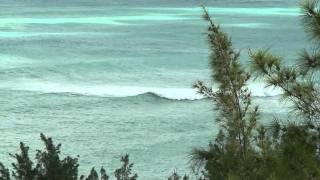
311,18
297,154
298,82
232,148
4,173
244,148
298,87
94,175
176,176
49,166
124,172
23,168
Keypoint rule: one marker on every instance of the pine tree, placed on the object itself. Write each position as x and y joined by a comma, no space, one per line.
245,149
176,176
94,175
232,150
23,168
49,165
4,173
124,172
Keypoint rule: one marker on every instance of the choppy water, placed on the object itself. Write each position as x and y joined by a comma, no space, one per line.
106,78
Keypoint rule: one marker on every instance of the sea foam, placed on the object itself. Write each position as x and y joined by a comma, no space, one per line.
174,93
259,11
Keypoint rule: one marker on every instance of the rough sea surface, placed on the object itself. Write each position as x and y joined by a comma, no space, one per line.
105,78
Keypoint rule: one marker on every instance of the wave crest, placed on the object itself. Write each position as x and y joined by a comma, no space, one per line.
258,90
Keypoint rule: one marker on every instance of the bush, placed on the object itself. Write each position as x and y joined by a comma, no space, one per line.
49,166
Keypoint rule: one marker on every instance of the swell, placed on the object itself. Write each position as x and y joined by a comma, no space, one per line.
119,91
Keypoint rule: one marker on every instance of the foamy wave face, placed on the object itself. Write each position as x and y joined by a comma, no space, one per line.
248,25
260,90
257,89
109,20
109,90
260,11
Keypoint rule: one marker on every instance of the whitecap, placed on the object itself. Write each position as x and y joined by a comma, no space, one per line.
108,90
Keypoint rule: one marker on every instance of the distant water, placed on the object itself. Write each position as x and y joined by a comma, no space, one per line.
105,78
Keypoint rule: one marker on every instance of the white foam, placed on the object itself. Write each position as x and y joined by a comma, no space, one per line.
4,34
259,11
247,25
107,20
176,93
260,90
13,61
107,90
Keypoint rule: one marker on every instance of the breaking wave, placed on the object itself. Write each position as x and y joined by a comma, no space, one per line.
257,90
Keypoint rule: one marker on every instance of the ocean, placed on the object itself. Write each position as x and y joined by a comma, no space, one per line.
105,78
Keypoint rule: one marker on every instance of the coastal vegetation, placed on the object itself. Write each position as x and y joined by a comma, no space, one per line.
50,166
244,148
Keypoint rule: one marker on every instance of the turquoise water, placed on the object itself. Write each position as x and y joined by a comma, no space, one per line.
105,78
